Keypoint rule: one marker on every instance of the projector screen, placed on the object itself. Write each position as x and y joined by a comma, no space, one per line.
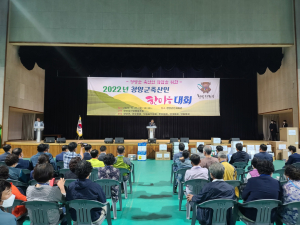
119,96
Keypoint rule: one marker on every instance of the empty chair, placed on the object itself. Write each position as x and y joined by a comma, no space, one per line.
281,174
122,172
264,210
94,174
219,207
83,210
38,212
240,174
107,185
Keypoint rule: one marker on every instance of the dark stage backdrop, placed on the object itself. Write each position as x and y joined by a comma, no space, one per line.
66,99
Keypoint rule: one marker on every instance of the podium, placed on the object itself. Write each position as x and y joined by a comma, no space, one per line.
151,131
38,133
289,135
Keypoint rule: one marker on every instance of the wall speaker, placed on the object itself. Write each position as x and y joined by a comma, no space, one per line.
108,140
172,140
184,139
49,140
119,140
61,140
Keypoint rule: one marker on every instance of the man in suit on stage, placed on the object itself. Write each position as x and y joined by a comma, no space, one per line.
37,123
273,130
285,124
152,123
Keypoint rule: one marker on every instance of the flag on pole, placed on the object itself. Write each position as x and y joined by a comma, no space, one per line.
79,127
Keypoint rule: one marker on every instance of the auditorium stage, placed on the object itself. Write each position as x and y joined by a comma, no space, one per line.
131,146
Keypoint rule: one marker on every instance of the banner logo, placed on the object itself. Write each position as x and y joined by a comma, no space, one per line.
204,87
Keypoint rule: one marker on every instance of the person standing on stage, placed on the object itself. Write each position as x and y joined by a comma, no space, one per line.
273,130
152,123
37,123
285,124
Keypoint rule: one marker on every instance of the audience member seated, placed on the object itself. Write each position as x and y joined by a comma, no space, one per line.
43,191
182,163
72,165
84,188
219,148
121,161
102,153
291,193
95,161
230,171
253,172
20,209
294,157
22,164
178,155
217,189
7,151
263,155
196,172
262,187
208,160
7,200
87,154
72,153
60,156
15,173
109,172
200,151
240,155
42,149
41,160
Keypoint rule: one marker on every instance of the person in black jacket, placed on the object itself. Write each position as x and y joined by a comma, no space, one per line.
294,157
22,164
262,187
285,124
84,188
240,155
273,130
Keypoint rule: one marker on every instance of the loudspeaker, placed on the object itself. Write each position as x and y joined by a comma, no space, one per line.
119,140
172,140
61,140
151,140
108,140
233,139
184,139
49,140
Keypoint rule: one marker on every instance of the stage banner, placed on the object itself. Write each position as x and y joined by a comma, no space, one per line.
153,96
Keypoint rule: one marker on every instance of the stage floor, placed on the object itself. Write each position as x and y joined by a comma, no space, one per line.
131,146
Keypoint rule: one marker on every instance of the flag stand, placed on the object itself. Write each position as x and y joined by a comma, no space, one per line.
79,138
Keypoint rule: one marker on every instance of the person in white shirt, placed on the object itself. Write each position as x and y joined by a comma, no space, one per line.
37,123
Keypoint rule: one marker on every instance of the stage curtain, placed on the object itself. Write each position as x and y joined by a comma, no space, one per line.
27,126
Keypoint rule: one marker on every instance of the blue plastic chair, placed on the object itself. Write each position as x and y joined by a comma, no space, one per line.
121,179
182,173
